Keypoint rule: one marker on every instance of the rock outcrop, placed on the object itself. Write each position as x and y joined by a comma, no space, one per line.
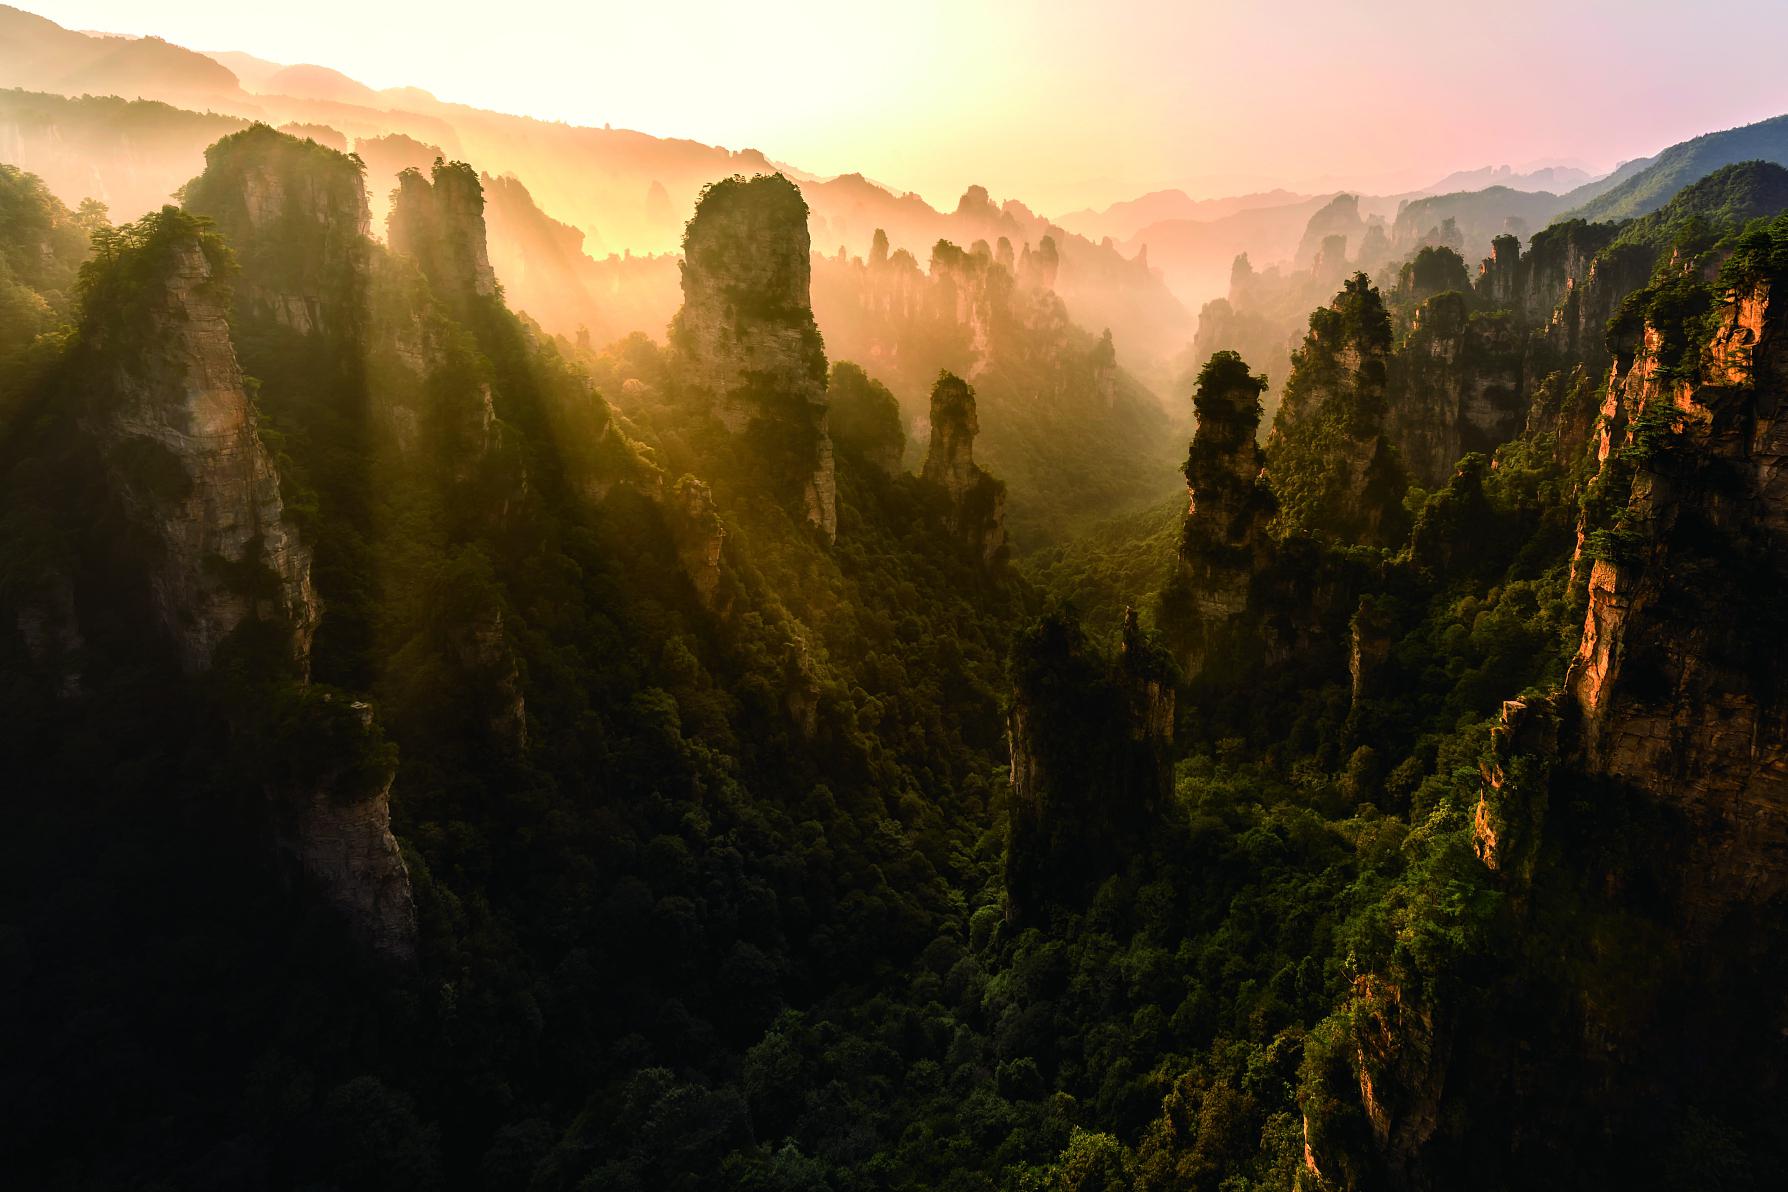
1339,217
1404,1047
168,407
1090,743
700,537
746,336
295,212
1457,386
977,500
439,222
1510,817
336,824
182,442
1223,540
1676,677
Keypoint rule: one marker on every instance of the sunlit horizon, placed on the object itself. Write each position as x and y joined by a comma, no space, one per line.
1041,102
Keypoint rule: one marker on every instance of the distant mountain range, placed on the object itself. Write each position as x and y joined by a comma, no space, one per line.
1194,242
1644,186
1138,267
624,192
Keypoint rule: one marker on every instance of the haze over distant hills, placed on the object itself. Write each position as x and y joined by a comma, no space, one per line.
626,193
556,658
1142,266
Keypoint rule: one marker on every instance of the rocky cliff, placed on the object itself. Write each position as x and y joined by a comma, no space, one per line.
439,222
700,537
333,811
181,437
1634,824
167,404
1676,675
1090,742
1224,540
1073,435
746,335
977,500
295,212
1456,386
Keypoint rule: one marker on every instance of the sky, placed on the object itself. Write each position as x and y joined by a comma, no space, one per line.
1061,104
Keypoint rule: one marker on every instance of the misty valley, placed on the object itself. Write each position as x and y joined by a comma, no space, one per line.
542,656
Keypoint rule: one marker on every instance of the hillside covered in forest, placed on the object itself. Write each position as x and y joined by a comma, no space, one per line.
823,717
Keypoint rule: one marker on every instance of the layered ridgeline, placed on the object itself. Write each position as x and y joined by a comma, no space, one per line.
1505,744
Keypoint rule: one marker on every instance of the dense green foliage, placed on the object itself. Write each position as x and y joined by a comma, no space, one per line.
863,415
1435,269
1335,474
720,873
1684,163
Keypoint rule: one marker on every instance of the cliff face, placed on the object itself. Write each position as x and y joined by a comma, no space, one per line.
977,500
1510,816
439,222
1456,387
746,335
971,312
1568,283
180,435
1223,541
1676,677
168,407
700,538
1053,399
1340,217
336,823
296,214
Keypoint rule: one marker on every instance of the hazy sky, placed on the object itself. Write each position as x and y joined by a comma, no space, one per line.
1058,103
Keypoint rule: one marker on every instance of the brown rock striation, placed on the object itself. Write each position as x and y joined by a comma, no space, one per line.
1675,678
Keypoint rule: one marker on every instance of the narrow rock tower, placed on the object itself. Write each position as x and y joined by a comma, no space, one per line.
1223,541
977,500
746,335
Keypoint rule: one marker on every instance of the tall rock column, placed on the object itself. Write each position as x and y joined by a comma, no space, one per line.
173,416
746,337
1677,677
173,393
165,401
1223,541
1333,467
1456,386
977,500
439,221
296,214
